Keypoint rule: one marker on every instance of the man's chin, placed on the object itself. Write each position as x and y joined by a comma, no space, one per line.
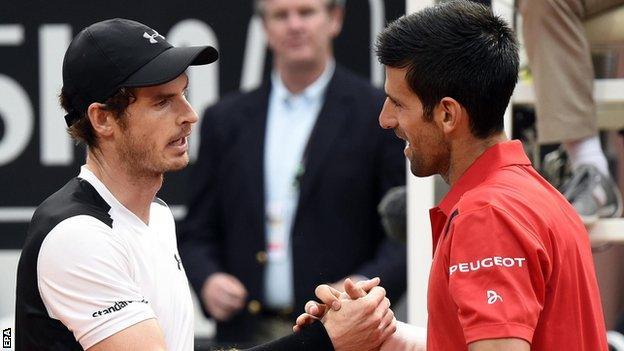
301,61
177,165
419,171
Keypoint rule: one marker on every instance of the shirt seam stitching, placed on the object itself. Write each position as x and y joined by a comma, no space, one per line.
506,213
481,326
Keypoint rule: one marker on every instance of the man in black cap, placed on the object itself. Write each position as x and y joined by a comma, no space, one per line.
100,267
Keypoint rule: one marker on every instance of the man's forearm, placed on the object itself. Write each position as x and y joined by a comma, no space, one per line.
311,338
406,337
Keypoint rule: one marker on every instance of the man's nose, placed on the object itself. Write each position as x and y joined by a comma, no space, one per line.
386,120
188,114
295,21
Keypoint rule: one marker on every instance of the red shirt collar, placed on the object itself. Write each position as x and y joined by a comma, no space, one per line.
497,156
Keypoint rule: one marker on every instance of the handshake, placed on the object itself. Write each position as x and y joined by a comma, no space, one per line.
360,319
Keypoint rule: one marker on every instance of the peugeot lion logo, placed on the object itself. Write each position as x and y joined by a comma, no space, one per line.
492,297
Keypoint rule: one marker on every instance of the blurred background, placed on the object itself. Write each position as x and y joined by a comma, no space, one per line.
37,157
36,154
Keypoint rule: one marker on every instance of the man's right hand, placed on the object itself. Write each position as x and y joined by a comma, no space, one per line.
406,337
330,299
224,295
361,324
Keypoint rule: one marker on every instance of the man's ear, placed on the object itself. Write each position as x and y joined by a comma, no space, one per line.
336,15
102,120
450,115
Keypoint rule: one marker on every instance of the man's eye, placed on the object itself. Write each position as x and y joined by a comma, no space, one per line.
162,102
306,12
281,15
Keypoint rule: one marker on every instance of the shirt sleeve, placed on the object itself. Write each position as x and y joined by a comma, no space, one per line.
311,338
85,281
497,270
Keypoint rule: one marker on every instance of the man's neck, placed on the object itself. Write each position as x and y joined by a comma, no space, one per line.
297,78
133,190
465,152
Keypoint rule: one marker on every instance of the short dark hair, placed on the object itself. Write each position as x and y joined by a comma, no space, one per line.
457,49
82,131
259,9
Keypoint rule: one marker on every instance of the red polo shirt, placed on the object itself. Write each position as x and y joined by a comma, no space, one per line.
512,260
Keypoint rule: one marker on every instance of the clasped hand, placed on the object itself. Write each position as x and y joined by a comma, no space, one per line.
358,319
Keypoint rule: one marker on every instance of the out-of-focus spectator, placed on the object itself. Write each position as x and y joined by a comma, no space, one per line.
560,61
287,182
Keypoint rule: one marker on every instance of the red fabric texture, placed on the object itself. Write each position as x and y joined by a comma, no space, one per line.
512,260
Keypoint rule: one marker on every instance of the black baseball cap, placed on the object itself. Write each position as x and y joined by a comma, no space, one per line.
121,53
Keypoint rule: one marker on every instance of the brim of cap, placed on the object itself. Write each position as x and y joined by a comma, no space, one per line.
170,64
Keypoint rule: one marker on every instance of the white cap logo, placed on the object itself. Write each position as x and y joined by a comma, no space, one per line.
492,297
152,37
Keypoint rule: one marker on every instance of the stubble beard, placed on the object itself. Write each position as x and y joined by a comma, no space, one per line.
138,158
422,165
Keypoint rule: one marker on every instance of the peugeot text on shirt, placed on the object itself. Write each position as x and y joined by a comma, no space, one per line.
488,262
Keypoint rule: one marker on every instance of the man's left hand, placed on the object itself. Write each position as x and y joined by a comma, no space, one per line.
331,299
361,324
